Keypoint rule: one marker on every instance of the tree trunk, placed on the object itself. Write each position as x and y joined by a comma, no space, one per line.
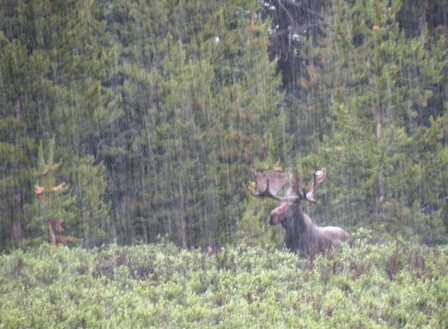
17,233
182,217
379,123
379,198
52,235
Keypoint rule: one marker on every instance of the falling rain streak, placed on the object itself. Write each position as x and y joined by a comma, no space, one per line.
153,114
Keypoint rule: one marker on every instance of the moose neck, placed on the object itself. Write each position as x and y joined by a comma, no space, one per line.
301,234
298,229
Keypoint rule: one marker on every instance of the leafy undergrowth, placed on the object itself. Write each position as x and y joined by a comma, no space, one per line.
393,285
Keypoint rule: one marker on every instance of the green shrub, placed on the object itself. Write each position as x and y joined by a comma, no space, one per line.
389,285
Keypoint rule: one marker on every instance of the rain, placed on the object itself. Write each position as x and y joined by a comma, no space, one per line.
156,113
130,132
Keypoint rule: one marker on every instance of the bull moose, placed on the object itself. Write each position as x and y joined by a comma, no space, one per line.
301,233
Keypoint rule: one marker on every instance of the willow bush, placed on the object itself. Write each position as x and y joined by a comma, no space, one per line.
395,284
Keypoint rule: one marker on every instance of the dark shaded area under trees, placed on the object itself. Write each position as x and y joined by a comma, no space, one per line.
154,113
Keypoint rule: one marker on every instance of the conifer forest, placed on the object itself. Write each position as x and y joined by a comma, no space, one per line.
135,121
136,138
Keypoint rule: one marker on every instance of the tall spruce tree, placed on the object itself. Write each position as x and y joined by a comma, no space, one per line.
78,205
55,66
198,90
23,89
92,222
53,202
370,86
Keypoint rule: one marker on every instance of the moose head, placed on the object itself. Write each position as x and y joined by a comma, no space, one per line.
301,233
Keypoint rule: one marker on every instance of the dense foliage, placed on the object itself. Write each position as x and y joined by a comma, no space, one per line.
153,113
395,285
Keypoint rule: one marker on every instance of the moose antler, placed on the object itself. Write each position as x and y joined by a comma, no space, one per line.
301,233
268,184
318,177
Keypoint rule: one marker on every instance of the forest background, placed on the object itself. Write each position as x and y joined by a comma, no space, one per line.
136,120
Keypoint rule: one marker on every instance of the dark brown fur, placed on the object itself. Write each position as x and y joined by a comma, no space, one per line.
301,233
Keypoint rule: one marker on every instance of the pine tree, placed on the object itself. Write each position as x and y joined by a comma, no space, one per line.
55,65
22,86
53,199
92,222
197,92
370,85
